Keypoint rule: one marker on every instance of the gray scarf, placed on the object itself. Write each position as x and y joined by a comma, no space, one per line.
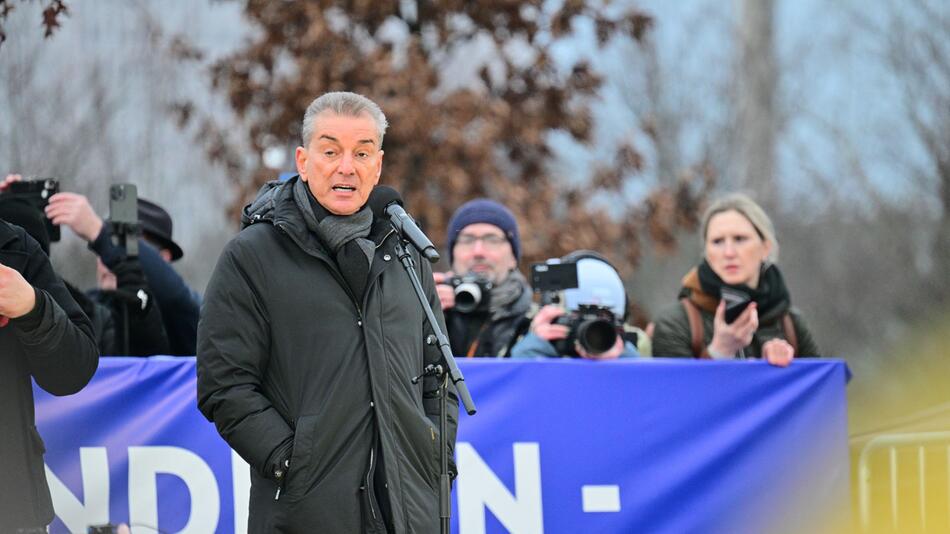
507,292
345,235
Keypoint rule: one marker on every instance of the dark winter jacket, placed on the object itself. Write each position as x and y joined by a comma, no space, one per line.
672,336
286,352
54,345
484,333
178,304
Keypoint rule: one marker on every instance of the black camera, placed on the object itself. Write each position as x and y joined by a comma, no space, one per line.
593,327
472,292
36,191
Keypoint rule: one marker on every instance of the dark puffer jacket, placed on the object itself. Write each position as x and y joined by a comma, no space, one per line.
285,351
54,345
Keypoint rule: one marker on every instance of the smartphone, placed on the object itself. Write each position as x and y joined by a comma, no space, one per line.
124,216
736,302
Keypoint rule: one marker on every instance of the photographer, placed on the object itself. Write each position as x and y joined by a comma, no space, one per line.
484,296
588,320
125,320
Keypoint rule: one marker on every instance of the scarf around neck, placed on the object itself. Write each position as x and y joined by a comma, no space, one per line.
346,236
704,288
505,293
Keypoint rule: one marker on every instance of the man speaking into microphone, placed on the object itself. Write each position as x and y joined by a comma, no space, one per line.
310,337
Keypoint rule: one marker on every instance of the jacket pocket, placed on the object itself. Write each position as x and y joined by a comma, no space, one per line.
424,452
305,459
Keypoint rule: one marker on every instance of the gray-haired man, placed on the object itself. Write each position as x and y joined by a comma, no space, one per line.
308,341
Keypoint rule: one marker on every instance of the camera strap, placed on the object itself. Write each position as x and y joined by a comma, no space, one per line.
470,353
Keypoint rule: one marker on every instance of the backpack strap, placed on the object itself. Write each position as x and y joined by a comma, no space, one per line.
695,329
789,329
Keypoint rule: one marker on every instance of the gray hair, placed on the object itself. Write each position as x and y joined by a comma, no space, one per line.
345,104
748,208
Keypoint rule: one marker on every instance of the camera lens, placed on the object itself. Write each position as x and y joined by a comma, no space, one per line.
597,335
467,297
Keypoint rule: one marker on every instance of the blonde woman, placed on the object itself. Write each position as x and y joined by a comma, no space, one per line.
734,304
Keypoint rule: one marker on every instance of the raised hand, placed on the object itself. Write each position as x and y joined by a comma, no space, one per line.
17,297
10,178
728,338
74,211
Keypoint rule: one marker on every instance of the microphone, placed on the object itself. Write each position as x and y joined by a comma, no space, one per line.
386,202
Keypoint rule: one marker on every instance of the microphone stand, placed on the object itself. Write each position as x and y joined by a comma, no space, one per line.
451,372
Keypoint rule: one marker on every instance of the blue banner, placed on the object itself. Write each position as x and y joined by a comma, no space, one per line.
651,445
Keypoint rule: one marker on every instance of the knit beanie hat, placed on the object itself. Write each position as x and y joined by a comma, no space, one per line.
483,210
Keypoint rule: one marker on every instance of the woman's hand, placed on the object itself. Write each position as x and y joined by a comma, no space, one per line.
728,338
778,352
543,327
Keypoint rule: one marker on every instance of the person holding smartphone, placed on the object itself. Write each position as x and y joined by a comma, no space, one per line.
44,338
735,303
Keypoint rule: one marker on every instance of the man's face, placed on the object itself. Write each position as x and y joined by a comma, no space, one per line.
343,162
482,248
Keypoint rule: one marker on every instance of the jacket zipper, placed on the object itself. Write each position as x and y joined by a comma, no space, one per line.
370,494
359,311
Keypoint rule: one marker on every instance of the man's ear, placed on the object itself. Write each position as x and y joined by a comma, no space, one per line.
300,155
379,167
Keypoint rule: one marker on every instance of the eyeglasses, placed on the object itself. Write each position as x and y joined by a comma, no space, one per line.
488,241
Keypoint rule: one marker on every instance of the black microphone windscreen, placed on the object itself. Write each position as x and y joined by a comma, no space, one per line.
382,196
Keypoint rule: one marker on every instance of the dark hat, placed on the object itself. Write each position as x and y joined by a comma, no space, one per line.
157,227
27,216
483,210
